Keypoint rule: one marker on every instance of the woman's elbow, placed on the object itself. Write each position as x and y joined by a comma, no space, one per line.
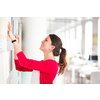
17,69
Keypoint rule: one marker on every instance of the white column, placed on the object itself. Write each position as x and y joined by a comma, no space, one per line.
95,32
83,36
75,30
34,31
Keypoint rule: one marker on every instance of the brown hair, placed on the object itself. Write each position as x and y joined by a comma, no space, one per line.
56,41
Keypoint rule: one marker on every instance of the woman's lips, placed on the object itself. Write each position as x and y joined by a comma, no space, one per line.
42,45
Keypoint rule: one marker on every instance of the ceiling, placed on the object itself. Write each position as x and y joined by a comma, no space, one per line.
57,23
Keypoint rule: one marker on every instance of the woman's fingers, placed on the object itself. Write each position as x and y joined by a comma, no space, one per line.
17,36
9,26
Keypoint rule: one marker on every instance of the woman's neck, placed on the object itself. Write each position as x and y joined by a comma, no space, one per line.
48,56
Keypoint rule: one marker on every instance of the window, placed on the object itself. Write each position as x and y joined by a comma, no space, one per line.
72,33
88,38
62,37
79,39
71,43
79,32
67,34
67,39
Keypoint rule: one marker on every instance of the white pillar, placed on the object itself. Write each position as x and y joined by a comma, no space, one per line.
95,32
34,31
75,30
83,36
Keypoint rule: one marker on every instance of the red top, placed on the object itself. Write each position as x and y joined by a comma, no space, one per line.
48,68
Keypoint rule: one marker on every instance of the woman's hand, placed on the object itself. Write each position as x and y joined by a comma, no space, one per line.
17,48
11,36
17,37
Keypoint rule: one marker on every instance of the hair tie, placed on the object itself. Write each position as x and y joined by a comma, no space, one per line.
61,47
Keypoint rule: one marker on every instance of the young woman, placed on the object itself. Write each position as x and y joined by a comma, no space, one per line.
48,67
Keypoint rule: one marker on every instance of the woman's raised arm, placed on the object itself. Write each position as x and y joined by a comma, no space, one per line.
12,37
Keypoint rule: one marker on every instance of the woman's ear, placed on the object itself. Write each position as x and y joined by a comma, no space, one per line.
53,47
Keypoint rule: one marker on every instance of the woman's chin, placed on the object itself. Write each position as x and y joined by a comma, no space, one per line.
40,48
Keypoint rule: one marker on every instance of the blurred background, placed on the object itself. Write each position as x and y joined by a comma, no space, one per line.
80,36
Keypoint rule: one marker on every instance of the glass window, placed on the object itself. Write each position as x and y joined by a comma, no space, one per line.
88,38
67,39
79,32
78,41
72,33
71,43
67,34
61,35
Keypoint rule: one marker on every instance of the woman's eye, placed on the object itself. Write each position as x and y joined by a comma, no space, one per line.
45,39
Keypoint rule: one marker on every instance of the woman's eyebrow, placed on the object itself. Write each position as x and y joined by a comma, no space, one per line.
46,38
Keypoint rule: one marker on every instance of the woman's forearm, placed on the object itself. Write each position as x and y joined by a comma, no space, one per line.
17,48
15,56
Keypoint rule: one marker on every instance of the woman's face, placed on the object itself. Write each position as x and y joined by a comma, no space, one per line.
46,45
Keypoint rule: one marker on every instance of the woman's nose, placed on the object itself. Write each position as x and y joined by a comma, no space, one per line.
41,41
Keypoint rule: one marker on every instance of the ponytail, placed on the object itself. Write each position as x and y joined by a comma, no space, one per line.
62,61
56,41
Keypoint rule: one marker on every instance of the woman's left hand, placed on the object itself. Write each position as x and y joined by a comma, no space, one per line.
11,36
